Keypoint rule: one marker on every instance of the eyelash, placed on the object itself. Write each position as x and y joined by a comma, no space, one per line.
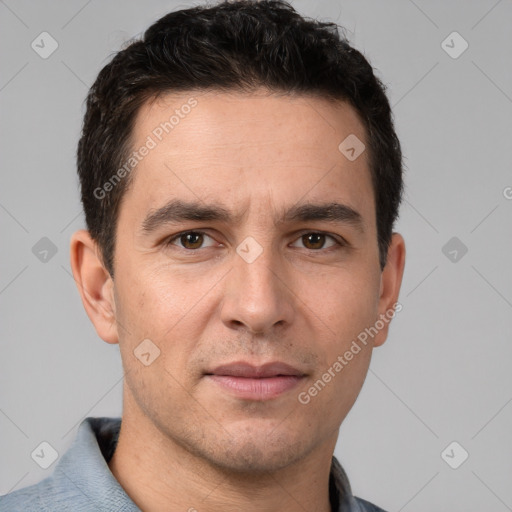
338,243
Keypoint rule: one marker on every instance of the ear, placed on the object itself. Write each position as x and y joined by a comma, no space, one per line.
95,285
390,282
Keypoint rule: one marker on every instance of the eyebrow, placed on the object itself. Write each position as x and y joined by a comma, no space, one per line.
177,210
331,212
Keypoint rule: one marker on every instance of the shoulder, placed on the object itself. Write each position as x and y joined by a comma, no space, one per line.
43,497
81,480
29,499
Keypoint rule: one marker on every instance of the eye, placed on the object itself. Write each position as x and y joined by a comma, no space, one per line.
190,240
316,241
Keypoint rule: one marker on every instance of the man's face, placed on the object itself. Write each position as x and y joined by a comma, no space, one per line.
253,286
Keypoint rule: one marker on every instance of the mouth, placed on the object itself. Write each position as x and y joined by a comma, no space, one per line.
249,382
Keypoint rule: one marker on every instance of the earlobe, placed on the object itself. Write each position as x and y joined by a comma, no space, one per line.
94,284
391,281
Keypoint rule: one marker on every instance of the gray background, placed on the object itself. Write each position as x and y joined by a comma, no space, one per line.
444,373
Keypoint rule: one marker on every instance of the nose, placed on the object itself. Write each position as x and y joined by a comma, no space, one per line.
257,296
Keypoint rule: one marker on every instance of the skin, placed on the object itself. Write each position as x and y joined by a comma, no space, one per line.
186,443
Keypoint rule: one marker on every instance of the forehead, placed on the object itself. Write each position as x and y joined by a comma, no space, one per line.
246,148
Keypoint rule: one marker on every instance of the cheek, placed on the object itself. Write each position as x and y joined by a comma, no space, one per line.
346,301
344,359
347,305
157,299
165,306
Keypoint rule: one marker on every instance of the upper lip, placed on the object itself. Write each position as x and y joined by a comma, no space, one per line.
244,369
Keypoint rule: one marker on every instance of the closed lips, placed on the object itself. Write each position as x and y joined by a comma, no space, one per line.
246,370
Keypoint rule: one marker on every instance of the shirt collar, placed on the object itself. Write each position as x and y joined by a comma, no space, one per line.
85,466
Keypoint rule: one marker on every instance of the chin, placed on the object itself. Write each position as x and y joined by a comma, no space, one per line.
256,452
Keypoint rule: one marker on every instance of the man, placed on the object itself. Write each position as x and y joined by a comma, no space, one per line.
240,178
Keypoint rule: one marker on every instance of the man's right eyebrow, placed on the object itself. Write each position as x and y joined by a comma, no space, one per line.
177,210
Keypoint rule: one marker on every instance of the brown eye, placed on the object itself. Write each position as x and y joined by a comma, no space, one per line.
191,240
316,241
313,240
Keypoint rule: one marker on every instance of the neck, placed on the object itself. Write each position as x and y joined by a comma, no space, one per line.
160,475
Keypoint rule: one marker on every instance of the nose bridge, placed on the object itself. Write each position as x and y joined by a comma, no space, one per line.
256,295
257,267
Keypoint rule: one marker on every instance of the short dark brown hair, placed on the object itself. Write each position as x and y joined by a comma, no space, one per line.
231,46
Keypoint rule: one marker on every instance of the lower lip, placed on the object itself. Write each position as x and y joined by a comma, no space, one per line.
257,389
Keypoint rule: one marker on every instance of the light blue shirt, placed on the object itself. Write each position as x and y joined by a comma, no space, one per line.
83,482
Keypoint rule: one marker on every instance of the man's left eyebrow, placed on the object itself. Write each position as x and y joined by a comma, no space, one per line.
329,212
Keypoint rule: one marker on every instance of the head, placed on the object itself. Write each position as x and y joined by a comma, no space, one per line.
229,221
